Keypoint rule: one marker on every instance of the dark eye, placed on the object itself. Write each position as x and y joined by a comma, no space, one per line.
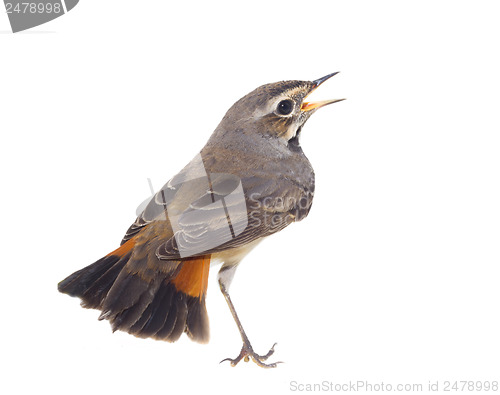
285,107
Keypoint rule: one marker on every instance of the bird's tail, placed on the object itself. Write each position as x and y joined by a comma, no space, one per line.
143,300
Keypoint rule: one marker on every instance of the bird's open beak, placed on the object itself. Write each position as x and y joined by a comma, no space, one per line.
308,106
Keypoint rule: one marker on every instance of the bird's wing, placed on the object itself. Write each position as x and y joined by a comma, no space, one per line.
231,214
216,212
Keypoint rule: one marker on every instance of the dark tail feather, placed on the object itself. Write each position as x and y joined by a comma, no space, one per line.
158,310
197,320
145,306
170,313
93,282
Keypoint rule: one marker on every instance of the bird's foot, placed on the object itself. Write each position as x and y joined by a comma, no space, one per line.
248,353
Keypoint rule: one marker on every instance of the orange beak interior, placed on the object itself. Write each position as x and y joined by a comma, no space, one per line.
308,106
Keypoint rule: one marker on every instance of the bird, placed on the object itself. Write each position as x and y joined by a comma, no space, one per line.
251,180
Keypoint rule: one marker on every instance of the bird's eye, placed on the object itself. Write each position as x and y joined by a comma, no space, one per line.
285,107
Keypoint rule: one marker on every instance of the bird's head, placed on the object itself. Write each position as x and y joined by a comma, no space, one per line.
276,110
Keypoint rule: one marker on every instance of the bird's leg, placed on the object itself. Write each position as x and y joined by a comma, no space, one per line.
247,351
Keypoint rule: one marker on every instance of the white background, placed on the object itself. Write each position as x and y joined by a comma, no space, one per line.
393,277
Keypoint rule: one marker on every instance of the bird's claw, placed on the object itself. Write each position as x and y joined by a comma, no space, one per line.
247,353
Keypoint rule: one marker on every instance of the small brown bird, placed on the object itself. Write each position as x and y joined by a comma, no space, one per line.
249,181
